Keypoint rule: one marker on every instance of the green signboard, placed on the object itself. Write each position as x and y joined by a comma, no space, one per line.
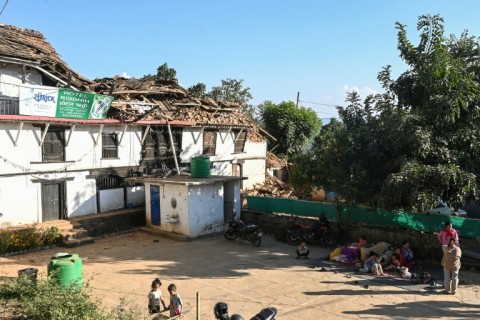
82,105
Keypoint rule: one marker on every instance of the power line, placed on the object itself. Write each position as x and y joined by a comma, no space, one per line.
320,104
3,7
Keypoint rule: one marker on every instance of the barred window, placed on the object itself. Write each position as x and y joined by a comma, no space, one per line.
109,146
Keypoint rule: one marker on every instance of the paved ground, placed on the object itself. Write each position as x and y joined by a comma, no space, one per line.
248,279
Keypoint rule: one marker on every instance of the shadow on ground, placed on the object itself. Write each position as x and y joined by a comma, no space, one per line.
433,309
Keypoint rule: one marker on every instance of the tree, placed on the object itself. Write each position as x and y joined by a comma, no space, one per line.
198,89
418,140
294,128
165,73
231,90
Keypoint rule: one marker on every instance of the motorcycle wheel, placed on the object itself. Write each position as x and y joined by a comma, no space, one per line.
257,242
230,235
293,238
327,240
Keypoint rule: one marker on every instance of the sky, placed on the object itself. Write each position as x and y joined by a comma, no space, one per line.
321,49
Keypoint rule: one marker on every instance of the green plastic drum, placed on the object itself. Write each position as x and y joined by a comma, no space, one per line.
67,270
200,167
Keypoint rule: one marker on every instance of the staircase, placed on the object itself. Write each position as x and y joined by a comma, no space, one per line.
84,229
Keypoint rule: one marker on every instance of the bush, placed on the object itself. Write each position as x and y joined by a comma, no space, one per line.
45,300
27,239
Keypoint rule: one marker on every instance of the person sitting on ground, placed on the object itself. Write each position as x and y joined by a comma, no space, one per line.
407,253
302,250
396,261
352,251
374,265
448,233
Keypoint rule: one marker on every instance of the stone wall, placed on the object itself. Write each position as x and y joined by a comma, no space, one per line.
425,245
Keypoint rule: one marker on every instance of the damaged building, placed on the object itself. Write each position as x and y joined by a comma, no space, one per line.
61,163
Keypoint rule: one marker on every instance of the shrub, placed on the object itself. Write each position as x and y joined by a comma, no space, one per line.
27,239
45,300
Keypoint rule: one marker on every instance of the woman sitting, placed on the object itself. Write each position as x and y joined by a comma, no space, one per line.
351,252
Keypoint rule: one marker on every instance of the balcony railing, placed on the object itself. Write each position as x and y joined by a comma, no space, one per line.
9,105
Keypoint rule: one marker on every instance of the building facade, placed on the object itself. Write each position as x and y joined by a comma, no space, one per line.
57,168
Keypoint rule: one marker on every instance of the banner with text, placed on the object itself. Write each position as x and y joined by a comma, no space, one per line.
63,103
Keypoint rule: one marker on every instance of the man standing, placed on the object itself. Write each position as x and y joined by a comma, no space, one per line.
451,266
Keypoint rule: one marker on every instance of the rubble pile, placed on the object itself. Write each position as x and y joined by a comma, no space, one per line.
148,99
274,187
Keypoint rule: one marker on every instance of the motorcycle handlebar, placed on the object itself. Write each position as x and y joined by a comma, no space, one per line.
265,314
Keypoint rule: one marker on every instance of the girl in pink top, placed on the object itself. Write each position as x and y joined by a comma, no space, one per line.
447,233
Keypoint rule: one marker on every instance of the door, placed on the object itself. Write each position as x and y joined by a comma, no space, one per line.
52,201
155,205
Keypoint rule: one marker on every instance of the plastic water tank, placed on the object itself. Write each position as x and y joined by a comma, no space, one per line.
67,270
200,167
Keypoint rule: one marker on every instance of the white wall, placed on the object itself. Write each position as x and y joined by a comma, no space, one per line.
167,192
80,154
205,204
81,195
11,79
136,196
22,204
19,201
255,171
253,156
111,199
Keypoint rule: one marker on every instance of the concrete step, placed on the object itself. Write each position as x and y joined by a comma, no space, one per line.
73,242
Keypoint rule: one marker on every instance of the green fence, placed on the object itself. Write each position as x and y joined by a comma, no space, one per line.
467,228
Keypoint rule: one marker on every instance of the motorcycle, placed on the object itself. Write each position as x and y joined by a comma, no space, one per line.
317,232
239,229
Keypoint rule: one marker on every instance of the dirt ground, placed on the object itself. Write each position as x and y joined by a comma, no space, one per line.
248,279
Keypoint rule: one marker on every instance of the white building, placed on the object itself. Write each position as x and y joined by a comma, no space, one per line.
57,168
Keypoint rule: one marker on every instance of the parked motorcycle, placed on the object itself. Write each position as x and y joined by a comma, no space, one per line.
318,232
239,229
266,314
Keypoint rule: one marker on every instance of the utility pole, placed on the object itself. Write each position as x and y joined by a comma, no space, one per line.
298,97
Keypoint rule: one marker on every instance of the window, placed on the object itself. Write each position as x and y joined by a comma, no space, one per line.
53,148
109,146
240,137
209,142
110,181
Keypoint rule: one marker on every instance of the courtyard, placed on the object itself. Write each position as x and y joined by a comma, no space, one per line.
248,279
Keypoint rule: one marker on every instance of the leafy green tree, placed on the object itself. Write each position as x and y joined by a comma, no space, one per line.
294,128
418,140
198,89
166,73
231,90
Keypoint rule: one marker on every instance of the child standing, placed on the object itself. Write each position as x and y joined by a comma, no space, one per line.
176,303
155,297
302,250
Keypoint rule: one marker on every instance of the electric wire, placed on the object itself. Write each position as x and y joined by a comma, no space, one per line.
4,7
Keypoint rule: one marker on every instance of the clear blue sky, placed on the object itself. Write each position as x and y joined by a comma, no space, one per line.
320,48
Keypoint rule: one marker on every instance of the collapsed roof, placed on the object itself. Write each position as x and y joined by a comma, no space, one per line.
30,48
148,99
134,99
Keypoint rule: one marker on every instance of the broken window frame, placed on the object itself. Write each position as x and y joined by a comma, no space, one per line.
109,146
209,142
239,142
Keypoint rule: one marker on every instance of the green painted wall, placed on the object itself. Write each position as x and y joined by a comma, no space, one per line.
467,228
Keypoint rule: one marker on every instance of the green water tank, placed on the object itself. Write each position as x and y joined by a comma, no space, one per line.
200,167
67,269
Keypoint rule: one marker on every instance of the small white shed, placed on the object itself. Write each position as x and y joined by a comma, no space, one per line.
191,206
